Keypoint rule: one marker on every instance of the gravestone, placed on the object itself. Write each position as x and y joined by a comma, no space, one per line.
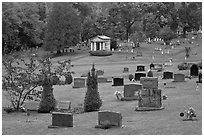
150,98
110,117
125,70
60,119
158,67
140,68
179,77
118,82
167,75
99,72
194,70
102,80
138,75
79,83
139,53
200,78
131,90
31,105
151,66
149,82
63,106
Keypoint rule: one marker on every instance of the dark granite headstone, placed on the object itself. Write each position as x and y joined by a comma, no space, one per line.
79,82
168,75
60,119
140,68
151,66
110,117
200,78
194,70
131,90
138,75
118,82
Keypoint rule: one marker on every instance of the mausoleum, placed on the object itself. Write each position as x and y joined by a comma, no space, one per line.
100,43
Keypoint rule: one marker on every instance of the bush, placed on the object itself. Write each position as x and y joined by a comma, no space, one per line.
92,101
68,79
150,74
100,53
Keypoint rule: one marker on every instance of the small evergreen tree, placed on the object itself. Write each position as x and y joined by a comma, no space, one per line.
92,101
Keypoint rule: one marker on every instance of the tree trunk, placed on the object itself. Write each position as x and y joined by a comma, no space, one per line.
184,32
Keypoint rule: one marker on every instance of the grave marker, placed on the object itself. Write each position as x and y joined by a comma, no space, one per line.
118,82
32,105
103,80
179,77
99,72
167,75
131,90
110,117
151,66
149,82
62,119
79,83
125,70
200,78
138,75
140,68
63,105
150,98
194,70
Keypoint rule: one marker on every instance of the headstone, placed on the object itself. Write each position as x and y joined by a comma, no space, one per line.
125,70
60,119
131,90
110,117
79,83
140,68
158,67
32,105
194,70
200,78
150,98
102,80
167,75
179,77
63,106
139,75
118,82
149,82
99,72
139,53
151,66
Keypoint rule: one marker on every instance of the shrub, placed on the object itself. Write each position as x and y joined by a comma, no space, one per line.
68,78
92,101
131,77
150,74
100,53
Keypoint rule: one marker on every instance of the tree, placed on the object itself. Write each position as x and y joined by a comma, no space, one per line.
92,101
166,34
63,27
21,26
190,16
20,80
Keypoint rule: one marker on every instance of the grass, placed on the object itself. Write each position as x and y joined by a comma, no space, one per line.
163,122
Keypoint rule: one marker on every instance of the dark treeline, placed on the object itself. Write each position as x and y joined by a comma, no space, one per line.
55,25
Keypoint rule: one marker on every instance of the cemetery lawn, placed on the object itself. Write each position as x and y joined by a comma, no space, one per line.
162,122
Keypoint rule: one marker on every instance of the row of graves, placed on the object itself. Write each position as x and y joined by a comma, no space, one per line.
146,93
